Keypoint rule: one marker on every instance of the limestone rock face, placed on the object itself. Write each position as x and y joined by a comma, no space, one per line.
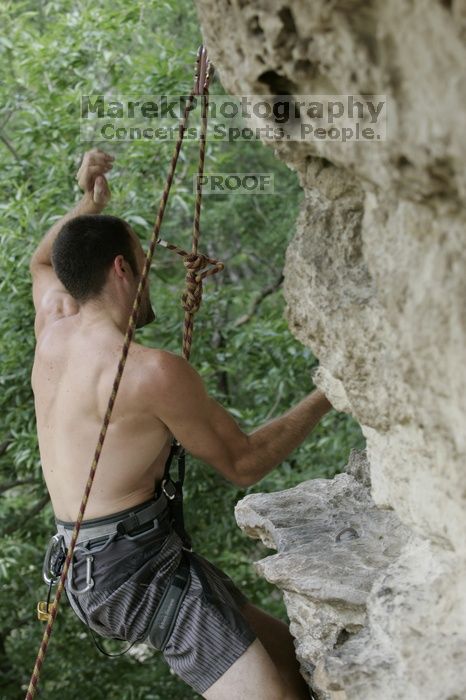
360,588
375,282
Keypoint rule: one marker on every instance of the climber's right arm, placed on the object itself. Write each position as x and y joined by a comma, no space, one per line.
273,442
176,395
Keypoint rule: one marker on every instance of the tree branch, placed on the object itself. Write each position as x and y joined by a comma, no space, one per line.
265,292
19,482
31,513
278,398
10,147
6,120
4,445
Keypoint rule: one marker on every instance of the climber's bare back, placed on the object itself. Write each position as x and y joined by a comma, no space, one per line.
73,373
160,395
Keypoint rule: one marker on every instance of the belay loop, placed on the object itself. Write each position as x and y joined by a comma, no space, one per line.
203,74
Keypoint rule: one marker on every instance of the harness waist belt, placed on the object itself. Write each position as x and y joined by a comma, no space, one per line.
123,523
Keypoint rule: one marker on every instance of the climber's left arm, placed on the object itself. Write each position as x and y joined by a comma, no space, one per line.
91,179
51,299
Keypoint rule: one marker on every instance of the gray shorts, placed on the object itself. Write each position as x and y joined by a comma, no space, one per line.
130,575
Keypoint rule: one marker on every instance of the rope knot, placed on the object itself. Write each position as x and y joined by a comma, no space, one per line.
192,297
195,261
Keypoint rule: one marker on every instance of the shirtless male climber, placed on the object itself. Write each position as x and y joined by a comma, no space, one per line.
85,274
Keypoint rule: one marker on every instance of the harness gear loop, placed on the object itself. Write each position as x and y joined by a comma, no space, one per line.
203,74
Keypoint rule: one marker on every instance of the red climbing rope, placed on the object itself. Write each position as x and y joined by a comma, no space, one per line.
195,264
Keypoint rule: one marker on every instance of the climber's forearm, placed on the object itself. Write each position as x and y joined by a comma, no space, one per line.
273,442
91,179
43,253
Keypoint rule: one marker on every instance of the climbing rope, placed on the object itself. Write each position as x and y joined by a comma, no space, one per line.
191,299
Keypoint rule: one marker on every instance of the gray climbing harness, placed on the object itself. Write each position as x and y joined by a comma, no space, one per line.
163,514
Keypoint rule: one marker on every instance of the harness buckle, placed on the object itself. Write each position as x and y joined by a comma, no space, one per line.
169,489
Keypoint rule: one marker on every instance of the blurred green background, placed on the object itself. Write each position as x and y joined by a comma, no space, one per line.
52,52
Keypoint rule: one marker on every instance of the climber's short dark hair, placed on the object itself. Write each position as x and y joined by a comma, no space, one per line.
85,249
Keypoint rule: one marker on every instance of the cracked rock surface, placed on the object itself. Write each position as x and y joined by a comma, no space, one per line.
375,284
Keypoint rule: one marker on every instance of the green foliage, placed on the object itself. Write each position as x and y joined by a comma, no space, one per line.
51,52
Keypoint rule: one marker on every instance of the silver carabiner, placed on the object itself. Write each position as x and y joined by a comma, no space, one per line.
49,574
89,579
